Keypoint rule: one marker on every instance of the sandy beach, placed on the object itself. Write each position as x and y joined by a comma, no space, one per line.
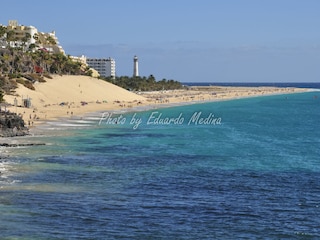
64,96
69,96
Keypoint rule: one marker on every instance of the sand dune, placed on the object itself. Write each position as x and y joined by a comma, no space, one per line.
66,95
75,88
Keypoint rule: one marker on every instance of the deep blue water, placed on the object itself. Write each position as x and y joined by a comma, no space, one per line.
254,174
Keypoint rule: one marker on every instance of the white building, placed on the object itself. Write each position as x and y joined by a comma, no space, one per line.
82,59
105,66
24,36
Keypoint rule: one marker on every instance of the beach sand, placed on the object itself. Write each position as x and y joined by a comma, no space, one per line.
69,96
64,96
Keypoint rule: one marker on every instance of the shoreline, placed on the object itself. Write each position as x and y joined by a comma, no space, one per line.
62,125
74,97
147,107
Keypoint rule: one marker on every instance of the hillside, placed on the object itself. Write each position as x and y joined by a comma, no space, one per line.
63,95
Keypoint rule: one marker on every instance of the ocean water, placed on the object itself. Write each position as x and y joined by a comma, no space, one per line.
311,85
240,169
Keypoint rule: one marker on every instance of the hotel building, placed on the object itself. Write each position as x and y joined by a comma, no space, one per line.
105,66
24,36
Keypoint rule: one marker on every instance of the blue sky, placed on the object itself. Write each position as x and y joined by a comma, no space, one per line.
184,40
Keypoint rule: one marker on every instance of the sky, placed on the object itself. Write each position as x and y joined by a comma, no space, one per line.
184,40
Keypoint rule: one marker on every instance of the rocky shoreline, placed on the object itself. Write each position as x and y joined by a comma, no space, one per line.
12,125
20,144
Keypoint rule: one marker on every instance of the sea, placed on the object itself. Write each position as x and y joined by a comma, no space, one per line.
238,169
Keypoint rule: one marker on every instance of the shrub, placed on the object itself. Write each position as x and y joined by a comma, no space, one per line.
25,83
47,76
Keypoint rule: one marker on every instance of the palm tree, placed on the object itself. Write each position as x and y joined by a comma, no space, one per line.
3,31
6,65
10,37
59,62
32,46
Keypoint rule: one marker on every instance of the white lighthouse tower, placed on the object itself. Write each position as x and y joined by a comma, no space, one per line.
135,67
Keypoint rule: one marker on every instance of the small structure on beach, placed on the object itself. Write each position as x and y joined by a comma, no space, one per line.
27,102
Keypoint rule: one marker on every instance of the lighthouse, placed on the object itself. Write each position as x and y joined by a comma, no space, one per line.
135,67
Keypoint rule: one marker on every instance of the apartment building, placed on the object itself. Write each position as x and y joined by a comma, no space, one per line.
24,36
105,66
20,32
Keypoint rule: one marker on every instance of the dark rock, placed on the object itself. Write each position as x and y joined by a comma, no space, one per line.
12,125
20,144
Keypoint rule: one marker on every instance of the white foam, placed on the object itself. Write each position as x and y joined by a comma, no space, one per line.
72,125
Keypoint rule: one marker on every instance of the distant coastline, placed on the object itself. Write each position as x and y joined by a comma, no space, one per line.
313,85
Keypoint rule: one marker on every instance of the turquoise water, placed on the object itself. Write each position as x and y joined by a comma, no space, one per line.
250,169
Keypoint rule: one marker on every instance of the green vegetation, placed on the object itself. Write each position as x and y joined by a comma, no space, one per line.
18,62
25,64
17,65
144,83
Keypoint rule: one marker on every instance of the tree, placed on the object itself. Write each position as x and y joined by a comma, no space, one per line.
10,37
3,31
1,95
144,84
32,46
50,41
